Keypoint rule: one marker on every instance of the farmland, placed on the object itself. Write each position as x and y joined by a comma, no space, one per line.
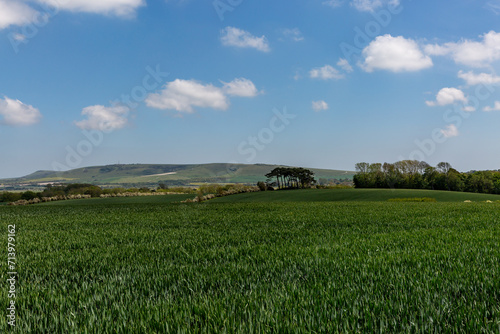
151,265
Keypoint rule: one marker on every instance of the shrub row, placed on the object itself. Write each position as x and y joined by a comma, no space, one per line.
48,199
131,194
207,192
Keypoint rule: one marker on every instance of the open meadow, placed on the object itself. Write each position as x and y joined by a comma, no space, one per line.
304,261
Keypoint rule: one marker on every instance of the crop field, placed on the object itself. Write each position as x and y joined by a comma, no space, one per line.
363,195
260,267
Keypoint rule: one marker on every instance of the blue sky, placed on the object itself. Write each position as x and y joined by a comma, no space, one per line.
314,83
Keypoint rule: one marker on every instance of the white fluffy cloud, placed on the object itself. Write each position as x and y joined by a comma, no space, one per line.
344,64
319,105
477,79
325,73
232,36
450,131
447,96
184,95
14,112
14,12
110,7
396,54
240,87
471,53
496,107
104,118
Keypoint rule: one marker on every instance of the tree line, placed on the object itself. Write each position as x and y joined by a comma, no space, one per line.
290,178
412,174
83,189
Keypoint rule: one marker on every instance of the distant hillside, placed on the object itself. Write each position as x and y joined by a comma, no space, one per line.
149,174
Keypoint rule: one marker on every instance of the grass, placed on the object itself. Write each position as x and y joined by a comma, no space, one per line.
358,195
288,267
160,199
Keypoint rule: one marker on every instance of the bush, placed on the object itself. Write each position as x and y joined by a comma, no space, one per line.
262,186
93,191
28,195
179,190
10,197
206,192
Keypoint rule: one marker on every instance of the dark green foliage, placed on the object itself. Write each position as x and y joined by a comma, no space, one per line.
291,177
262,186
10,197
27,195
411,174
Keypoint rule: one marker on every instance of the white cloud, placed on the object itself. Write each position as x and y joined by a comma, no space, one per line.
496,107
470,53
104,118
363,5
395,54
371,5
450,131
108,7
366,5
232,36
326,72
184,95
293,34
476,79
319,105
13,12
447,96
344,64
240,87
14,112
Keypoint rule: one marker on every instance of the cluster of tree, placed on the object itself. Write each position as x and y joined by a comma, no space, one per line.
71,189
412,174
290,178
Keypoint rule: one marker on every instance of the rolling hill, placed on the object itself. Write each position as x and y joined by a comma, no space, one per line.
152,174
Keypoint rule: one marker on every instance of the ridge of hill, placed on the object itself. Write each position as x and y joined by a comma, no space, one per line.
170,174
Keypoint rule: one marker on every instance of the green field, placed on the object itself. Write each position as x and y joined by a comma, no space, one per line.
296,265
358,195
121,201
